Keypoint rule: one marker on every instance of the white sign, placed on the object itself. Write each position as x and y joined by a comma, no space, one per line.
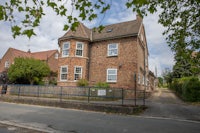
101,92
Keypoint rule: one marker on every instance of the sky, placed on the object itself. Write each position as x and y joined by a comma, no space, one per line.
51,28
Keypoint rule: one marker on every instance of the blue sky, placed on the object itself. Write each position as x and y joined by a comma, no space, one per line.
51,26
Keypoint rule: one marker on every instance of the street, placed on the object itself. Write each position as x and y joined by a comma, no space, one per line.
51,119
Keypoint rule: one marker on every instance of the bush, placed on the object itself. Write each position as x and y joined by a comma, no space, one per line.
191,90
102,85
82,82
188,88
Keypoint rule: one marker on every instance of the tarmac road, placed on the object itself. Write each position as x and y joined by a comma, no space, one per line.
51,119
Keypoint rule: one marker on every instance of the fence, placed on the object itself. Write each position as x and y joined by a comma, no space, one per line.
81,94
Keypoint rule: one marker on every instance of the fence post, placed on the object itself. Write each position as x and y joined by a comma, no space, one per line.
18,91
89,95
122,96
61,88
135,89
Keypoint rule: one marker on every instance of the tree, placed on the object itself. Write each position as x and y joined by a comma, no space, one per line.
27,70
31,12
160,82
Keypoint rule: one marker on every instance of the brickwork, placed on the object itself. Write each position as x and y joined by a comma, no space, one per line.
7,57
53,62
125,62
71,61
131,60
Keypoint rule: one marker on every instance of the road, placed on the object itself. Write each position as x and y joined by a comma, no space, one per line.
166,104
51,119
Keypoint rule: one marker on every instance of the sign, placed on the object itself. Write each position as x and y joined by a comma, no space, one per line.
101,92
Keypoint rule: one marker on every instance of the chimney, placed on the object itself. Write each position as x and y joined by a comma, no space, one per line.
139,17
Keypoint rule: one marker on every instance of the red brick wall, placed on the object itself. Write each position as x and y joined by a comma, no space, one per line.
7,57
71,61
53,62
142,54
125,62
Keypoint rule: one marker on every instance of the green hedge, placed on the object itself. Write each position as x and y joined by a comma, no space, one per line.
188,88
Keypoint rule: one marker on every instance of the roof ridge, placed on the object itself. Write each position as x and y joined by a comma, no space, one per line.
44,51
83,27
17,50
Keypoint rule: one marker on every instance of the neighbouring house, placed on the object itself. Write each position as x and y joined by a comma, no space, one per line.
117,55
50,57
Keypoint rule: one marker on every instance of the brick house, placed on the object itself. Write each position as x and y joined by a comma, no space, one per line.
117,55
50,57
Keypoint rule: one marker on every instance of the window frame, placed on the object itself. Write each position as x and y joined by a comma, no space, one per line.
79,49
7,64
63,73
139,79
67,49
107,75
78,73
108,49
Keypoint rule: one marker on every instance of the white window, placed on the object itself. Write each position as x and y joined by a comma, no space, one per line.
7,64
112,49
138,78
143,80
79,49
63,73
65,49
77,72
111,75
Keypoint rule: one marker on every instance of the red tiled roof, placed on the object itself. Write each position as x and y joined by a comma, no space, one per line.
43,55
119,30
123,29
19,53
81,32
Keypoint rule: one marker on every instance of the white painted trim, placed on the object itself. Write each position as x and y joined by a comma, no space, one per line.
62,73
111,81
79,49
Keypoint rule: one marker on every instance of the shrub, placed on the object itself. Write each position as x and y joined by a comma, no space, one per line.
82,82
191,89
102,85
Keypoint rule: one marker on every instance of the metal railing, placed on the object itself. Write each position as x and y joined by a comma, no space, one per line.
118,96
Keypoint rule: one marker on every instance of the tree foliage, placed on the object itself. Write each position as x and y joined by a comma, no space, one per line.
31,12
27,69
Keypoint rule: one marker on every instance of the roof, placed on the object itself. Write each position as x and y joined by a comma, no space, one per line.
124,29
119,30
43,55
19,53
81,32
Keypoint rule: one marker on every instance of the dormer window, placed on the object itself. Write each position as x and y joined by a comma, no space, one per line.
79,49
7,64
65,49
112,49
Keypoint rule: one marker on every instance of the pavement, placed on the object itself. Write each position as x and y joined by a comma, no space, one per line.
10,128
